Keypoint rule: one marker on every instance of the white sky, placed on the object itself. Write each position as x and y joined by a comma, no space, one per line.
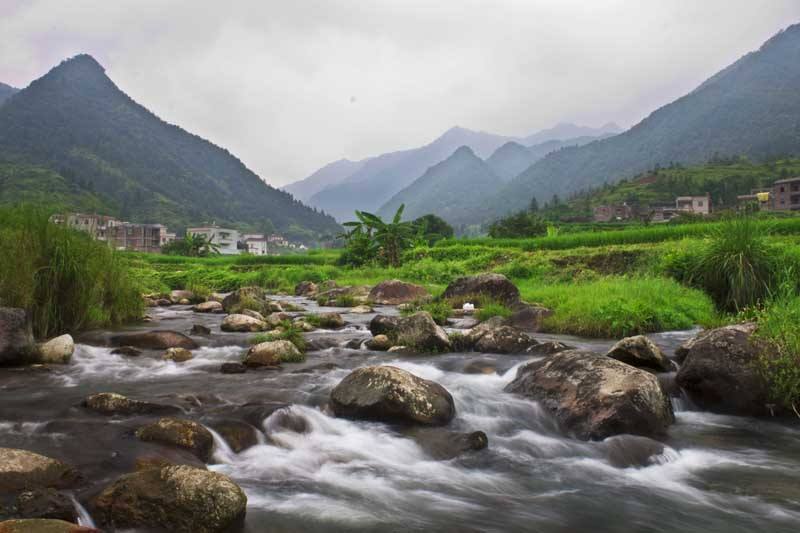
290,85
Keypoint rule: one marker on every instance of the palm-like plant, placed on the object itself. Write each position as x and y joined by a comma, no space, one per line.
374,237
198,245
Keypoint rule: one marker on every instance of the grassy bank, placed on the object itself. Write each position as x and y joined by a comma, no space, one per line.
65,280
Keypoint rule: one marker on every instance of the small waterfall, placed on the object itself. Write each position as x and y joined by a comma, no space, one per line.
222,452
84,518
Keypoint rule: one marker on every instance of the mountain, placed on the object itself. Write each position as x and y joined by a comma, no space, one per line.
566,130
6,91
331,174
511,159
383,176
750,108
454,189
99,143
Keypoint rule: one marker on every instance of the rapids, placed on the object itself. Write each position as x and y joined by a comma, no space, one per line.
319,473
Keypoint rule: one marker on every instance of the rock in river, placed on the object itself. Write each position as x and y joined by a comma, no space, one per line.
154,340
384,325
390,394
208,307
110,403
242,323
720,372
174,498
182,433
45,503
56,351
496,287
271,353
593,396
41,525
21,469
421,333
16,336
641,352
178,355
396,292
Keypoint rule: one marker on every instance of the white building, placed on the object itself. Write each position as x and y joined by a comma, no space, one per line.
225,239
256,243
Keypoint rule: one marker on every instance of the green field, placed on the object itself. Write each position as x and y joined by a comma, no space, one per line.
599,284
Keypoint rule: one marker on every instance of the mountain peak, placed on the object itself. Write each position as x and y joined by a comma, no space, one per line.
464,151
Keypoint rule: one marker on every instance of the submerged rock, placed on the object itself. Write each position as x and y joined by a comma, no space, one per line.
396,292
174,498
45,503
179,432
720,372
21,470
594,397
626,451
178,355
128,351
496,287
242,323
16,336
43,525
443,444
641,352
232,368
110,403
238,434
271,353
390,394
198,329
56,351
154,340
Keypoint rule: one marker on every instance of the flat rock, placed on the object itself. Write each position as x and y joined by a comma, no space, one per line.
24,470
396,292
181,433
154,340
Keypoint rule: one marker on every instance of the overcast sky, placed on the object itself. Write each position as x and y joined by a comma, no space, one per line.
290,85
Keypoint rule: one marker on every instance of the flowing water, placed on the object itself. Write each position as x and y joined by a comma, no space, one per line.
313,472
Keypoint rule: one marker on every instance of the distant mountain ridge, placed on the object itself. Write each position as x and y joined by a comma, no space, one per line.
331,174
381,177
6,91
750,108
100,144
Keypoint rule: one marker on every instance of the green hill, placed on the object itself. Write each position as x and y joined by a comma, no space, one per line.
751,108
6,91
74,130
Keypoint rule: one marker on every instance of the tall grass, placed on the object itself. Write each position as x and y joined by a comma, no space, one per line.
779,333
64,279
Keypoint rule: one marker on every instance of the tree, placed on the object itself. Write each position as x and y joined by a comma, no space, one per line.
533,207
192,245
431,228
371,237
521,224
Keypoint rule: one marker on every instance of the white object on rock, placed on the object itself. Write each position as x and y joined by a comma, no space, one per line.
468,308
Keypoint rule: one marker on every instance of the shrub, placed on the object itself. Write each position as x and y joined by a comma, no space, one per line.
779,330
287,331
64,279
319,321
345,300
439,310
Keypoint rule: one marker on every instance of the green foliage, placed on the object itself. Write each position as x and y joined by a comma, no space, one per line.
65,280
345,300
192,245
371,238
779,331
489,310
431,229
319,321
439,310
518,225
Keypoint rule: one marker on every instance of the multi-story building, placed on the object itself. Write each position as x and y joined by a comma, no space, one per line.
118,234
699,205
255,243
760,199
226,239
786,194
608,213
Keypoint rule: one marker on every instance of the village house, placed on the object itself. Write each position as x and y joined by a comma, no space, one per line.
698,205
277,240
760,199
255,243
608,213
786,194
226,239
119,234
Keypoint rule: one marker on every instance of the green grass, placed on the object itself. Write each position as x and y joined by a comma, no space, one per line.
779,331
615,307
320,321
491,310
288,332
66,281
439,310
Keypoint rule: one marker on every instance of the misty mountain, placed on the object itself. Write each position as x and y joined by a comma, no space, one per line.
750,108
455,189
96,142
566,130
331,174
6,91
511,159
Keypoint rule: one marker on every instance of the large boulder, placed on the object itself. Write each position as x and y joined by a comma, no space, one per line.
43,525
390,394
379,343
181,433
493,336
110,403
352,296
419,332
173,498
245,298
384,325
528,317
238,434
593,396
242,323
178,296
22,470
16,336
305,288
720,372
330,320
641,352
210,306
271,353
56,351
154,340
45,503
495,287
396,292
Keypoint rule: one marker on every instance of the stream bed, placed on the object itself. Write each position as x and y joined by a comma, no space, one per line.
314,472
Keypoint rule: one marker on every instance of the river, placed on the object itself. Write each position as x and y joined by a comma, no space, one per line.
717,474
